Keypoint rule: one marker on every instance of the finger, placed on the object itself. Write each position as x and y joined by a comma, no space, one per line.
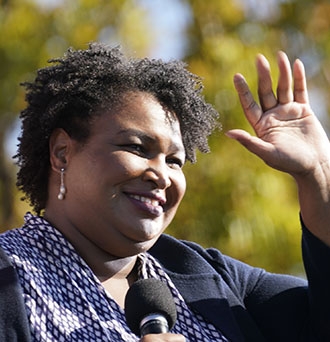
265,91
300,85
261,148
284,87
251,109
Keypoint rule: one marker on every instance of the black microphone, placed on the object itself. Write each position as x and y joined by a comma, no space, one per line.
150,307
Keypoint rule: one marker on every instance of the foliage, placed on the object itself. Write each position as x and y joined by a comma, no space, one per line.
234,202
32,33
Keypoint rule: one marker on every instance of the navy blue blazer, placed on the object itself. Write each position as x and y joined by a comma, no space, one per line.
14,326
245,303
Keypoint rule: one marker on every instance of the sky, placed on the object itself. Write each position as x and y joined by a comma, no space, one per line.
169,20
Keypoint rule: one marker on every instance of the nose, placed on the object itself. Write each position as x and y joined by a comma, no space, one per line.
157,171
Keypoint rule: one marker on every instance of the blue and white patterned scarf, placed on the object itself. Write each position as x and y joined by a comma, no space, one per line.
66,302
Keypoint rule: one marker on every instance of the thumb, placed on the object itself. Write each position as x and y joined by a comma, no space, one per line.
252,143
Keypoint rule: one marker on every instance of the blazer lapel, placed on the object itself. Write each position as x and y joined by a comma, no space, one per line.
202,288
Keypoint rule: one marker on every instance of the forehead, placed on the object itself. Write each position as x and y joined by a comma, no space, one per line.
140,111
145,105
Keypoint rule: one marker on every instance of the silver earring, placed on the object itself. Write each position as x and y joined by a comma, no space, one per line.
62,192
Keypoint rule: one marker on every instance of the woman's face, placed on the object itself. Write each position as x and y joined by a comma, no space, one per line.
125,184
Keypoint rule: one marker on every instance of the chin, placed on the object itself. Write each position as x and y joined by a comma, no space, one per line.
148,231
147,241
137,248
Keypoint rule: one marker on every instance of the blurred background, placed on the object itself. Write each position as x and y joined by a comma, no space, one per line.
233,202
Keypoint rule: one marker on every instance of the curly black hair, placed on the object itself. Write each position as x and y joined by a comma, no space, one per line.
68,93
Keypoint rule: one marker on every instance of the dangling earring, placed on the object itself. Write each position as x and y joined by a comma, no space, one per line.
62,192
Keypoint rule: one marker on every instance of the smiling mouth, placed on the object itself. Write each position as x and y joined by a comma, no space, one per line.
148,200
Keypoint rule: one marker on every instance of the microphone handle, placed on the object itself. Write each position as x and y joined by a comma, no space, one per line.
153,324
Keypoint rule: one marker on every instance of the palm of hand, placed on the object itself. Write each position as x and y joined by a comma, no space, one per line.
289,136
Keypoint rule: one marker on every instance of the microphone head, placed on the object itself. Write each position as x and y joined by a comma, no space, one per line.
148,296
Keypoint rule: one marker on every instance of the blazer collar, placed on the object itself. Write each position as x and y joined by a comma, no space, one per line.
204,290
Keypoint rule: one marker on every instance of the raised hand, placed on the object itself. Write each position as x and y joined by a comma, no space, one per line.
289,137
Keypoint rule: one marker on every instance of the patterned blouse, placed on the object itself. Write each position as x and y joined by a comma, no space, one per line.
66,302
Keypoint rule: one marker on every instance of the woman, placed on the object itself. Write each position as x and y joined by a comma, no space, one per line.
104,139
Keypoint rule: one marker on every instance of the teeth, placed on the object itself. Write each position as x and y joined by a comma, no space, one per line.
148,200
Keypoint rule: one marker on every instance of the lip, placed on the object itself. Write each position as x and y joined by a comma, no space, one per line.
148,202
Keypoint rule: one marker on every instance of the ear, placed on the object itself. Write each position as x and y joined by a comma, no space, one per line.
60,145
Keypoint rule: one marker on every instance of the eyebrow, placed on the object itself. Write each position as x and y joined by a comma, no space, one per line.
138,133
149,139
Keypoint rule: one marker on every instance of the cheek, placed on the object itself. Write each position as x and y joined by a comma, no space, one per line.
117,166
180,185
128,166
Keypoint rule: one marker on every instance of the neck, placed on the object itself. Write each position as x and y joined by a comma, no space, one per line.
103,264
120,269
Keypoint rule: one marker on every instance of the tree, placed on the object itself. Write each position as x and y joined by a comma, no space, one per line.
238,204
33,32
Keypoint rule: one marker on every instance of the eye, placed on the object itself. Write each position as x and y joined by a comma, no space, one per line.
136,147
175,162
